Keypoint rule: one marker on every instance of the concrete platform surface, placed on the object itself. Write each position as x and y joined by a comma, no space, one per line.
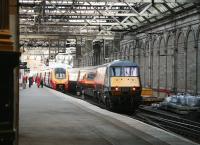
48,117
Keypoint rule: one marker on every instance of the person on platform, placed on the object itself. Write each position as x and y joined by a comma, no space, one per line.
24,81
41,83
30,79
38,81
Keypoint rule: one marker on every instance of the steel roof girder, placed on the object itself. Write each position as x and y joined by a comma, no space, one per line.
145,9
133,1
78,24
89,14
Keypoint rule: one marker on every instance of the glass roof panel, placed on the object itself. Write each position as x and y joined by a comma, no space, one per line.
152,10
178,9
172,5
188,5
161,7
148,15
153,19
140,18
133,20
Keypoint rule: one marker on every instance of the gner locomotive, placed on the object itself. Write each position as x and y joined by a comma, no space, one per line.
116,84
56,78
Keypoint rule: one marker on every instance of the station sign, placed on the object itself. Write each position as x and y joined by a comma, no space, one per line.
23,65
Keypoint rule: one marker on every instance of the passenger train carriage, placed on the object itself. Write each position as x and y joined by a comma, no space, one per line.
86,83
73,77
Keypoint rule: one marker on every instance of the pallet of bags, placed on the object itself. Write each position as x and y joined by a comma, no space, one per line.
181,103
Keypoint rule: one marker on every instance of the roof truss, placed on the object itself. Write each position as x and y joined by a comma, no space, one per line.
91,17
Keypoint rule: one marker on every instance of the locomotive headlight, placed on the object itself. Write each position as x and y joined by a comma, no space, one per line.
116,89
136,88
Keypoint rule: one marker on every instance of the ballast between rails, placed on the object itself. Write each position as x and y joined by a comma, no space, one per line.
184,127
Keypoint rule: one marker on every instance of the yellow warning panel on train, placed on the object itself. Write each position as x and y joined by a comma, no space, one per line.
125,82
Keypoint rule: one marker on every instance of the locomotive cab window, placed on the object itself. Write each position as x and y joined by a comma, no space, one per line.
60,73
116,71
130,71
133,71
127,71
124,71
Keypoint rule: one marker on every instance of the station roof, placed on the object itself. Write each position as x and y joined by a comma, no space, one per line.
73,18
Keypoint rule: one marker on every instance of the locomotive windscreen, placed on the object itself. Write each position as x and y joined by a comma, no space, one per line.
60,73
124,71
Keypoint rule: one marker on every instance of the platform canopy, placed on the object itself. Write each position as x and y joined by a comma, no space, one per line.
72,18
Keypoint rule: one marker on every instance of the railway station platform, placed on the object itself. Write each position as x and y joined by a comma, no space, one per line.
48,117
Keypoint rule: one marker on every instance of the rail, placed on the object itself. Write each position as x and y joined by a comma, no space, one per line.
187,128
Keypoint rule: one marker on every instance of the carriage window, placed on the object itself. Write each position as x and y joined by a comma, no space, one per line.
91,76
116,71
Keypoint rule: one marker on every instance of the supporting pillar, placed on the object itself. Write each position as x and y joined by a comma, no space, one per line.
5,41
9,59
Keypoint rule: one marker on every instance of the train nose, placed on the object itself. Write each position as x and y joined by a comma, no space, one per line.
60,87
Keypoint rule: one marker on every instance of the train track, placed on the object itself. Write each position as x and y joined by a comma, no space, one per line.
173,123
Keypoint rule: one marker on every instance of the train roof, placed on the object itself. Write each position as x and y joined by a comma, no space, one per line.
121,63
84,68
110,64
